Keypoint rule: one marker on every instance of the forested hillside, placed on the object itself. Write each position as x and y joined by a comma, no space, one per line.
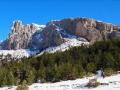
71,64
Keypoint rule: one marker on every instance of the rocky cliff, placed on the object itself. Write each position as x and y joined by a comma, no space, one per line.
31,36
88,28
20,35
54,33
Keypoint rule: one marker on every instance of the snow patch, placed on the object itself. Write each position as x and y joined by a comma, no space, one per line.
17,53
39,27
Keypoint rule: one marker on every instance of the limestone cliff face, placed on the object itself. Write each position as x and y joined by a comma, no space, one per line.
40,37
48,37
87,28
32,36
20,35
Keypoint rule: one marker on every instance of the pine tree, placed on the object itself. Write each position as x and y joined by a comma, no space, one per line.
41,74
30,76
91,67
10,79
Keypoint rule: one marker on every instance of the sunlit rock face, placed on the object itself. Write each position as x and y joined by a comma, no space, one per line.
20,35
53,33
32,36
90,29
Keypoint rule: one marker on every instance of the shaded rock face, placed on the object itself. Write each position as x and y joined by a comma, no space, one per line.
41,37
115,35
46,38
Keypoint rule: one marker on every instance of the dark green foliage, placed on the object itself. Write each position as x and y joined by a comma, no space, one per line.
71,64
90,67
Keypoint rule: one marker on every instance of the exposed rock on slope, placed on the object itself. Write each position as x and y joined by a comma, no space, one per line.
46,38
40,37
20,35
87,28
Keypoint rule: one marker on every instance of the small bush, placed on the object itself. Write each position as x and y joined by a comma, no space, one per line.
93,83
82,74
108,71
90,74
23,86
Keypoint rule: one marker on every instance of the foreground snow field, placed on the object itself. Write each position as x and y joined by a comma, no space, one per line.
78,84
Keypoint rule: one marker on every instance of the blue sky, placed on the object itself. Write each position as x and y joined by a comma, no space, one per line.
41,11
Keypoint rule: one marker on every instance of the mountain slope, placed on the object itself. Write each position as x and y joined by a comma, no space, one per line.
58,35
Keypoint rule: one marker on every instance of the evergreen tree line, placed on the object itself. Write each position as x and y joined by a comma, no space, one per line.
71,64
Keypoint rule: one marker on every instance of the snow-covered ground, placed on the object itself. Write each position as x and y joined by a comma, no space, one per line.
18,53
78,84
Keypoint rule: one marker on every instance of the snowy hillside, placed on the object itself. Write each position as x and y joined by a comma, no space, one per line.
17,53
70,42
112,83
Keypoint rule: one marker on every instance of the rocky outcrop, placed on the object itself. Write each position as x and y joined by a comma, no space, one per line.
87,28
115,35
90,33
19,36
83,27
32,36
47,38
104,26
41,37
